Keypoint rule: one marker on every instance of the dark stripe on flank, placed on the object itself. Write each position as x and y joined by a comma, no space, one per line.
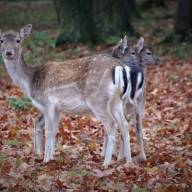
113,75
125,80
141,83
133,77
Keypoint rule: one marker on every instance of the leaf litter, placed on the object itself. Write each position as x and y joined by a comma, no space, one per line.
77,165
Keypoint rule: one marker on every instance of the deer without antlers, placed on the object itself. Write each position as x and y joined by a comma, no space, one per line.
90,85
137,57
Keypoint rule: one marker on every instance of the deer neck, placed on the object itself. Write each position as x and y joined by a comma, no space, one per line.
145,70
20,73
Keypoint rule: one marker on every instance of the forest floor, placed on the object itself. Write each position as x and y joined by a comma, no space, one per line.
77,165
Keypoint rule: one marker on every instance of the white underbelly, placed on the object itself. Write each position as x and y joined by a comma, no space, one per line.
69,100
74,105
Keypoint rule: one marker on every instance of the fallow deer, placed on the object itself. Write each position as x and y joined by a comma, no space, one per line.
139,57
90,85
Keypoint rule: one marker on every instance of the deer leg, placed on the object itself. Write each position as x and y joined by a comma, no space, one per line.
55,124
121,150
110,146
109,141
103,114
51,127
104,145
118,113
139,135
39,125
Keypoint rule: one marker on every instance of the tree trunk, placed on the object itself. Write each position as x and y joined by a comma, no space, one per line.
152,3
57,9
76,21
132,8
91,20
112,16
183,19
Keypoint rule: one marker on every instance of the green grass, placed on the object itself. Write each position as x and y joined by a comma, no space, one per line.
138,189
22,103
15,14
174,78
14,143
19,162
75,173
3,158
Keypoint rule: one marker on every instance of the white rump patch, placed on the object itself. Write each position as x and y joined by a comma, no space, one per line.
127,94
139,78
138,91
119,77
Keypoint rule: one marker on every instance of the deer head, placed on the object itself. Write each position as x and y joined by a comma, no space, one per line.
10,42
127,54
146,53
139,54
120,48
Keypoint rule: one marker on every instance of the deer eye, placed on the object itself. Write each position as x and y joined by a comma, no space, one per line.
18,40
2,41
126,49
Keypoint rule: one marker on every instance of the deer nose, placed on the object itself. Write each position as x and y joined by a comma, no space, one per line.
9,53
157,60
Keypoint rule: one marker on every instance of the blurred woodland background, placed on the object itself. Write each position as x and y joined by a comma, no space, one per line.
56,23
67,29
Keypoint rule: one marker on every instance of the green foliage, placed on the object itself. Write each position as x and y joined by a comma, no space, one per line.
19,162
76,173
138,189
181,50
112,39
14,143
85,173
3,158
22,103
40,39
173,78
41,47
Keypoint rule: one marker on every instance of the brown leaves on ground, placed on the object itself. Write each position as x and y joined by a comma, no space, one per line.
77,164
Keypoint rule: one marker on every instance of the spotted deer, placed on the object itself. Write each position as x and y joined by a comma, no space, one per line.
91,85
137,57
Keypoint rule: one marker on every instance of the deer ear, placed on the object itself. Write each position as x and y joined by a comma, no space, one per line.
119,43
140,44
124,44
115,51
25,31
